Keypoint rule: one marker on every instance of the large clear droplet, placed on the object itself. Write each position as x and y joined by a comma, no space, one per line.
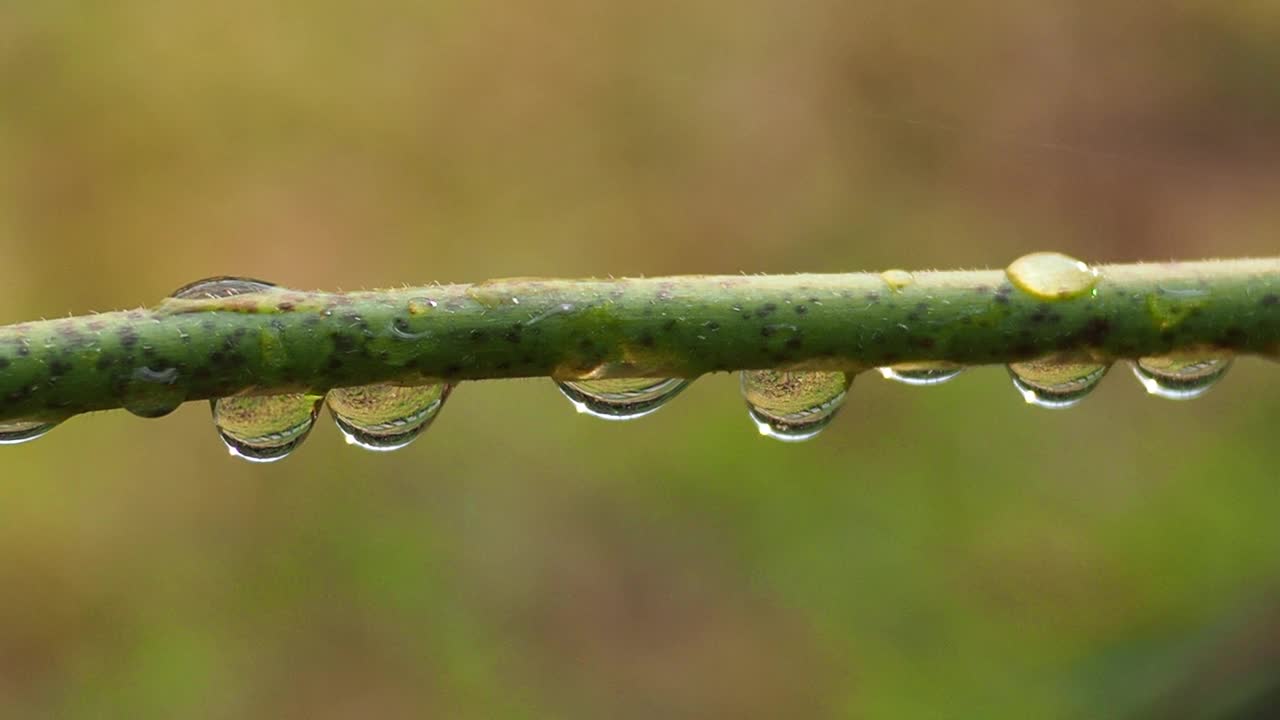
1180,378
265,428
220,287
621,398
1054,384
921,374
1051,276
16,432
386,417
793,406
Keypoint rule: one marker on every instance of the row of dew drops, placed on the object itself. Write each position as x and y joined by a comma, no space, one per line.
785,405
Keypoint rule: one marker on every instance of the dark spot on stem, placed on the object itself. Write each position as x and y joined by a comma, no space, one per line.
646,340
794,343
477,336
1095,331
766,331
58,367
285,306
766,310
1234,337
452,370
4,362
802,309
1270,300
128,337
669,325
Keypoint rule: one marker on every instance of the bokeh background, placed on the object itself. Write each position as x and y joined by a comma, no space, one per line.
947,552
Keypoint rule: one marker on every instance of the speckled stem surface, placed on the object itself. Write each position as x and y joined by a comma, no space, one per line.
285,340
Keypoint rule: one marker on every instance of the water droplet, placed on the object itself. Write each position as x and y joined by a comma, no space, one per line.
421,305
897,279
1051,276
386,417
793,406
1054,384
621,398
1180,378
265,428
921,374
220,287
1170,307
153,393
16,432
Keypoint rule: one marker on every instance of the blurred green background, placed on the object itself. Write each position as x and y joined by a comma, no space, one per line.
937,553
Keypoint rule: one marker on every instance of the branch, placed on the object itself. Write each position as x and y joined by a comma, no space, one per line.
218,340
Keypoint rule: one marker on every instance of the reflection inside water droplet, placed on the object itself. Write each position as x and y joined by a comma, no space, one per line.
220,287
793,406
921,374
1052,384
265,428
621,398
1179,378
153,393
16,432
386,417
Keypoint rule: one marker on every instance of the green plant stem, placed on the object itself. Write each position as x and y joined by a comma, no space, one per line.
288,341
